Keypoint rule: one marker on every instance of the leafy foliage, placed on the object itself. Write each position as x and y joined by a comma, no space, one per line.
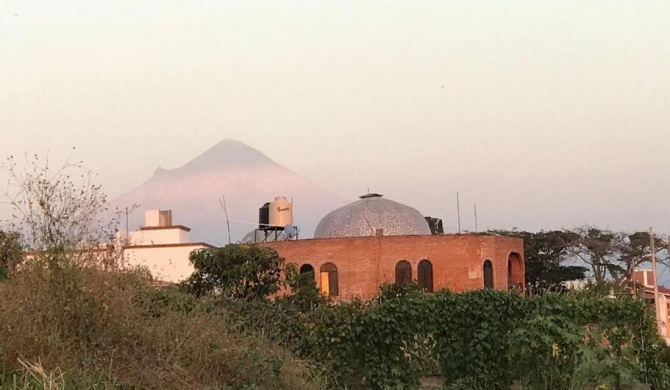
240,272
477,340
304,292
11,252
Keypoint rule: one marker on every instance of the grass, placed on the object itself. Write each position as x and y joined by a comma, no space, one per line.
70,327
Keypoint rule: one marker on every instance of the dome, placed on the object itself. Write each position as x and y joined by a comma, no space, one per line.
365,216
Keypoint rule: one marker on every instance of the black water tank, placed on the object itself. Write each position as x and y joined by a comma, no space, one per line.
435,225
264,216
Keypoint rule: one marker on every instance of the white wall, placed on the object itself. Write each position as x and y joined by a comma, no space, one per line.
157,237
168,264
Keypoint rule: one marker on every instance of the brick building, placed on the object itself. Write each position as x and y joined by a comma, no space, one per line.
374,240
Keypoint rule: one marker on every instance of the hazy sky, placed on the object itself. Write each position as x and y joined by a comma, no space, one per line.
547,114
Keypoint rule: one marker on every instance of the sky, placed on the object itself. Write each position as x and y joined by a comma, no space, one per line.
546,114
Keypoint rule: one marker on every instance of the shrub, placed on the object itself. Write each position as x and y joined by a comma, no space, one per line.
111,327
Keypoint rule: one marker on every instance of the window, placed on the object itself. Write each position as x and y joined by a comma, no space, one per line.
307,268
403,272
488,274
328,277
426,275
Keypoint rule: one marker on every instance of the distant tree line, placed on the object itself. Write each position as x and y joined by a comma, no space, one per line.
555,257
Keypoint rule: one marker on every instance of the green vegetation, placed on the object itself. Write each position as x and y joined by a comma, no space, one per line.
235,272
476,340
11,252
70,320
112,328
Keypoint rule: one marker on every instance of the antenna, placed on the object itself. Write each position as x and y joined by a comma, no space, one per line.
225,212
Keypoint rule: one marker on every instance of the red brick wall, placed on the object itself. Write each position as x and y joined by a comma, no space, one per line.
363,263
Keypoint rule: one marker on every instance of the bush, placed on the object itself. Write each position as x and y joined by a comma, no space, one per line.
482,339
110,327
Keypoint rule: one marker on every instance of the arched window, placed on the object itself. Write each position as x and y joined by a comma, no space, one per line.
403,272
426,275
329,283
515,278
488,274
307,269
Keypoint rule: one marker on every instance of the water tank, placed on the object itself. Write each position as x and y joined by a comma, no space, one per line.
435,225
264,216
281,212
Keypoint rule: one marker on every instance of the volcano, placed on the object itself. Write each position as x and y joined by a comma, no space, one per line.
246,177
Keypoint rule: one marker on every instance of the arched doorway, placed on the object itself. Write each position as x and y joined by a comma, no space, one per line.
328,278
426,275
515,277
403,272
488,274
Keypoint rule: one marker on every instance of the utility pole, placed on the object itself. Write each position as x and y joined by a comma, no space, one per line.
476,229
458,212
653,267
225,211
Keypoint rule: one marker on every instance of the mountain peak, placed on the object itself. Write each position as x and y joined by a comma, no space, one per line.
228,154
248,179
229,142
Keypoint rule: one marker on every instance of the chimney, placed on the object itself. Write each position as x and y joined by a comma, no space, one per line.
156,218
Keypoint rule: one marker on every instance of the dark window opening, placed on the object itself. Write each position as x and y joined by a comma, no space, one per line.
403,272
426,275
488,274
307,268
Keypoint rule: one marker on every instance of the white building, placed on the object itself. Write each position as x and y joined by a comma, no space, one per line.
161,247
645,277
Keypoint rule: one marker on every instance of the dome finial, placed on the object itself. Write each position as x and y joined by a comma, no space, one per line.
370,195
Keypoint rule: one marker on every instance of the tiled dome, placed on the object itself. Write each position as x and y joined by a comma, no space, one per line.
368,215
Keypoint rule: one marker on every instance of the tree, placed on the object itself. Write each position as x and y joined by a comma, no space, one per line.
613,255
635,251
11,252
245,272
58,211
304,292
545,253
599,249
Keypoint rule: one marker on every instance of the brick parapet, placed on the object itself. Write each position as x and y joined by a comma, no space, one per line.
363,263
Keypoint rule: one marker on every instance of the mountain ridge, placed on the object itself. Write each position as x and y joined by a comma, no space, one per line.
245,176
